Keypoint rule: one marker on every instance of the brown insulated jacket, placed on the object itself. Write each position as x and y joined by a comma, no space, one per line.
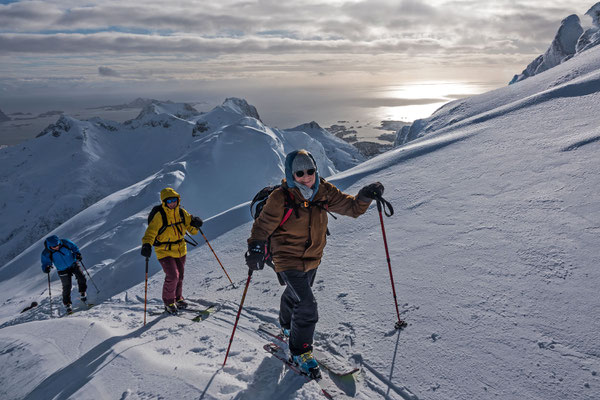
299,242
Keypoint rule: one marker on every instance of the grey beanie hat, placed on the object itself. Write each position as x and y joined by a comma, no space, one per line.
302,162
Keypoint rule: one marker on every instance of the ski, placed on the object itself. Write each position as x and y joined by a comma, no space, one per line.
332,363
82,307
197,314
279,353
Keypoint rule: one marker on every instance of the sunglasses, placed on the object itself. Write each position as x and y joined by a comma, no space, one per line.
171,200
300,174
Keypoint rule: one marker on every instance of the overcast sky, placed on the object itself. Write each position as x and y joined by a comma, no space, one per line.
70,46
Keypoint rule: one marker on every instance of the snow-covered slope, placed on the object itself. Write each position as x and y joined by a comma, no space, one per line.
493,247
73,164
560,81
570,40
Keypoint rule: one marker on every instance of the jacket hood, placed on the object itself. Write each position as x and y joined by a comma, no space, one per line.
52,241
289,177
169,192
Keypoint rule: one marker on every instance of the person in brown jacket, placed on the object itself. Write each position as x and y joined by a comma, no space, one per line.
302,203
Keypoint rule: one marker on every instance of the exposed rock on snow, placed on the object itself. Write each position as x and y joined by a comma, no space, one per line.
570,40
561,49
591,36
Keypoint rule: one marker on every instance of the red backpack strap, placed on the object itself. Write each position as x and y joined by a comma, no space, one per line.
289,206
286,216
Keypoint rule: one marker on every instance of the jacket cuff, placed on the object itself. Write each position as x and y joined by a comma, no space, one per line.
364,199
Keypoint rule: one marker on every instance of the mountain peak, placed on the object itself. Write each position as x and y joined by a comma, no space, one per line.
241,106
309,125
62,125
591,36
178,110
563,47
594,12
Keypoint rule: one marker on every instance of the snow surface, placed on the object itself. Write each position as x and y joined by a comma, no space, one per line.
88,160
493,247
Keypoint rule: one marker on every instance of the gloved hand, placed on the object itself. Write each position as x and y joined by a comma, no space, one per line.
146,250
255,256
47,269
78,256
371,191
196,222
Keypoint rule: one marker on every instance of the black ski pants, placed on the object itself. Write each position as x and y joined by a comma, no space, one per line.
65,278
298,309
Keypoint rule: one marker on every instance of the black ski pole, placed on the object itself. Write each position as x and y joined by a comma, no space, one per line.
50,294
88,274
380,200
146,290
211,249
237,318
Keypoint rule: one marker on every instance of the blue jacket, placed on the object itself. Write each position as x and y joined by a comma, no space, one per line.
62,258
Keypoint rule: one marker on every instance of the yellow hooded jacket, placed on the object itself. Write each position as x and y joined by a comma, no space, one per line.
175,231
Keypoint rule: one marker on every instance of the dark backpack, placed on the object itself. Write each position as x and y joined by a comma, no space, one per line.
257,204
159,210
290,207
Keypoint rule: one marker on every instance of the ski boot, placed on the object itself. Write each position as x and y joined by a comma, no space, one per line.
182,304
83,297
171,309
69,308
307,364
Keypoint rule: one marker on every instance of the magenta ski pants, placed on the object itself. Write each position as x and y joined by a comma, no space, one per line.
173,286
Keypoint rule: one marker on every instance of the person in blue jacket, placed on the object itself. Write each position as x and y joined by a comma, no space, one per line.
64,255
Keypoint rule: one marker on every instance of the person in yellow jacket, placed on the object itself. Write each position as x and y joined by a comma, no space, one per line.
168,239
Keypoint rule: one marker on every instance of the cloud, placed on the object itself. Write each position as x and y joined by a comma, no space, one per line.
107,71
154,44
242,38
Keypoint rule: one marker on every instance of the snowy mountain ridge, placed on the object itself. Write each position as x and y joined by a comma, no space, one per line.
91,159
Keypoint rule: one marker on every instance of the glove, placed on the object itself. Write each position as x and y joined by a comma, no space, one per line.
146,250
47,269
255,256
370,192
196,222
78,256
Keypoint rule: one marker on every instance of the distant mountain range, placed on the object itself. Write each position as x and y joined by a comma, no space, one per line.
137,103
88,160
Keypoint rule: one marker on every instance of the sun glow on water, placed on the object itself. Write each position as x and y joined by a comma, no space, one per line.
421,99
